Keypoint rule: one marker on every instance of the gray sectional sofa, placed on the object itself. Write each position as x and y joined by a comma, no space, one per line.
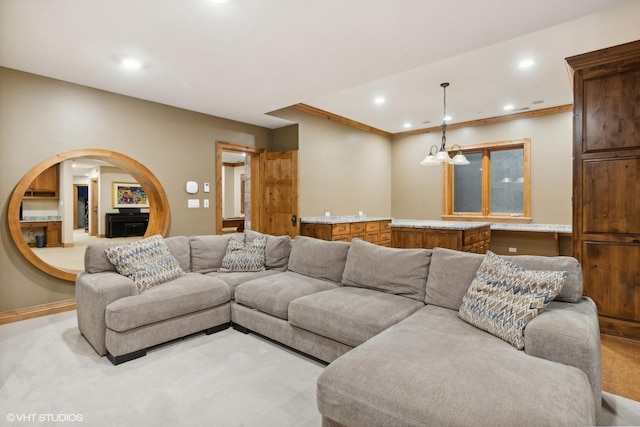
385,320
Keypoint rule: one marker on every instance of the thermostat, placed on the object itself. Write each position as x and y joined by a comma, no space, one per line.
192,187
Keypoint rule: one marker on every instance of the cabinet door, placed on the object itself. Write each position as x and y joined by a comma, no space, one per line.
46,184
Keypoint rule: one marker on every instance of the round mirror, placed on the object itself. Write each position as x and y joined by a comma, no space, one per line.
158,205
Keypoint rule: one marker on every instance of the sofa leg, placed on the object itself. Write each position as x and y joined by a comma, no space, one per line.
116,360
217,328
240,328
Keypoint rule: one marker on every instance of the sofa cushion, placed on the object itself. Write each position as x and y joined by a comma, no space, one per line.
188,294
504,297
147,262
394,271
433,368
277,250
208,251
272,294
350,315
243,256
317,258
237,278
451,273
181,251
96,260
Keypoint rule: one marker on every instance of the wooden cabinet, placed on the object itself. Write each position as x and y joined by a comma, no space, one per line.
377,231
606,175
51,229
46,185
477,239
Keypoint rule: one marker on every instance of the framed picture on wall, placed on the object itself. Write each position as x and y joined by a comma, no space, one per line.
129,195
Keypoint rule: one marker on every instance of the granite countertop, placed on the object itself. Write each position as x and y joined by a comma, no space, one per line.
451,225
342,219
41,218
540,228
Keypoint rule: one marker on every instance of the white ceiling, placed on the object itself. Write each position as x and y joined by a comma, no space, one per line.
244,58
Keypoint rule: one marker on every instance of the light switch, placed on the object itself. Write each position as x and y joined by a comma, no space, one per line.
206,203
193,203
206,188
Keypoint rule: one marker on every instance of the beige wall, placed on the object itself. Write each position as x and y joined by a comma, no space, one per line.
342,170
40,117
417,190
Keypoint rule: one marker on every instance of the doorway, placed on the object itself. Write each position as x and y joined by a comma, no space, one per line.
93,210
80,207
244,211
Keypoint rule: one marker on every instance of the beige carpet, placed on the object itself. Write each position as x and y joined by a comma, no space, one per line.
72,258
49,372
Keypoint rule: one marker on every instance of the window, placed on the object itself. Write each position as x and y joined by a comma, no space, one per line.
495,186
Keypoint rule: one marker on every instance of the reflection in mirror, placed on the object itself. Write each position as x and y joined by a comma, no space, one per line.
234,207
80,211
47,205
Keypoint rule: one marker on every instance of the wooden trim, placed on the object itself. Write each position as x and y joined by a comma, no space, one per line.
485,149
605,56
37,311
488,121
159,212
488,218
228,146
480,122
342,120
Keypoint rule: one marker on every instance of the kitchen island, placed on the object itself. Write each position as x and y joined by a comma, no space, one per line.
346,228
464,236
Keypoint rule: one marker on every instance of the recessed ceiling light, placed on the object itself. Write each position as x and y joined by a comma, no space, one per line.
447,118
540,101
379,100
131,63
407,125
526,63
508,107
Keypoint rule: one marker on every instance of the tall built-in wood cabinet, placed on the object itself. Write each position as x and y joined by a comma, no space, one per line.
606,174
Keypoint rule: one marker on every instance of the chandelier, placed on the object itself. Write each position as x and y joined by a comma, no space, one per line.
441,156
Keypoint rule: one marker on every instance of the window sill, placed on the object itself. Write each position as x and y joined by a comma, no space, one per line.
489,218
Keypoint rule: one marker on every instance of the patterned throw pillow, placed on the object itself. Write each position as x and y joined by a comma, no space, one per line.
504,297
242,256
147,262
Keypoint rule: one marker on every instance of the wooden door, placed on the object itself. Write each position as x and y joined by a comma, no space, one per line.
279,190
606,174
93,197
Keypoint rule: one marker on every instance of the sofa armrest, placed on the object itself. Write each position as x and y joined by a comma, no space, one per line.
569,333
94,292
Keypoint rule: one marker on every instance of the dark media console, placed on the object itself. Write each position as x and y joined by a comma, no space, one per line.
126,224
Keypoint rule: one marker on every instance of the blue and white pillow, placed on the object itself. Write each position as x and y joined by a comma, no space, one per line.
504,297
147,262
243,256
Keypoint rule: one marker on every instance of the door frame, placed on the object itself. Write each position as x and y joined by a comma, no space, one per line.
254,152
94,207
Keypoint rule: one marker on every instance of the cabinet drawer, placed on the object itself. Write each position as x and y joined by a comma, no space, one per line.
485,234
372,237
373,226
385,225
357,236
339,229
341,238
358,227
385,236
470,237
